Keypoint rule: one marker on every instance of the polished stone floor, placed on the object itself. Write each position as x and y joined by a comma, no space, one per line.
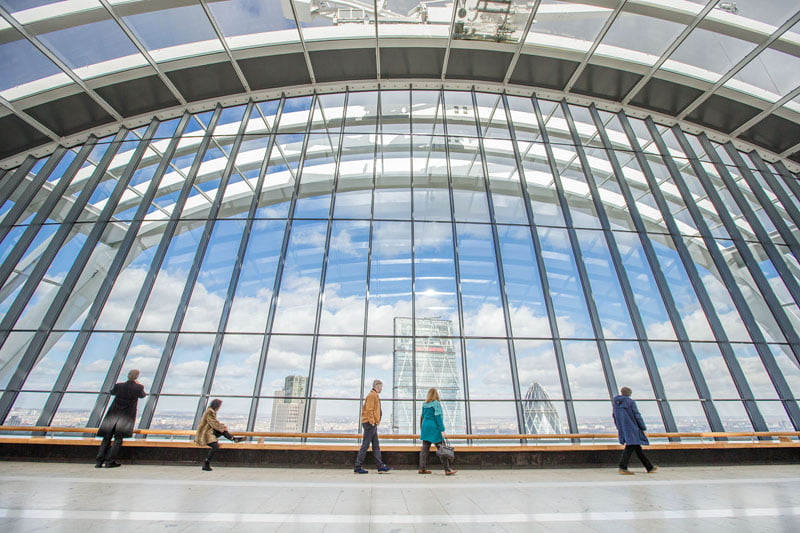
79,498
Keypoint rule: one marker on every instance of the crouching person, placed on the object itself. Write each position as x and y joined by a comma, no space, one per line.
210,429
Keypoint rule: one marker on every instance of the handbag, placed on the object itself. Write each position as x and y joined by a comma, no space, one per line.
445,451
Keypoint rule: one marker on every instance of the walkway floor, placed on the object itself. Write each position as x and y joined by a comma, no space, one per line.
75,497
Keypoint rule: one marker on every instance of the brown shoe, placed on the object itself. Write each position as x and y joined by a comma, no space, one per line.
423,472
450,472
625,472
653,470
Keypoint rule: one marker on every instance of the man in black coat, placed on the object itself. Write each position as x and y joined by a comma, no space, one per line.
119,419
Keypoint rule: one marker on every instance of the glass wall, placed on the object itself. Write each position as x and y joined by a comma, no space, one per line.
282,255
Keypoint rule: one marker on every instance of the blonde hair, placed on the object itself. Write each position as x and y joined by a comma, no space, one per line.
433,394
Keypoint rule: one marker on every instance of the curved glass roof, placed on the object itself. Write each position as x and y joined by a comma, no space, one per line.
71,67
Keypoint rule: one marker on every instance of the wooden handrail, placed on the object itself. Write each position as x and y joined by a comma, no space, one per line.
393,436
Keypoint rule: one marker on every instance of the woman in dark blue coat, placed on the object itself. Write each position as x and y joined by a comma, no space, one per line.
630,429
432,424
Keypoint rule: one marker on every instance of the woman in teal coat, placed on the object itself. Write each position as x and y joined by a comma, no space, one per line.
432,425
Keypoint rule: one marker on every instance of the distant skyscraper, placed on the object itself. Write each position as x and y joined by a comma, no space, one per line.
436,362
287,413
541,418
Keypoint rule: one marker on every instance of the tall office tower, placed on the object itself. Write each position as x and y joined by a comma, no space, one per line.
425,357
541,418
288,412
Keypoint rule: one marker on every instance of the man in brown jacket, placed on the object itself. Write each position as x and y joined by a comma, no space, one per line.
370,418
209,429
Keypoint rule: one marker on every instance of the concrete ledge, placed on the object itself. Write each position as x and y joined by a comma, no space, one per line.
403,457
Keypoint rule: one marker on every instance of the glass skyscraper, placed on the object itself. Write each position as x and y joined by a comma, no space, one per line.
425,357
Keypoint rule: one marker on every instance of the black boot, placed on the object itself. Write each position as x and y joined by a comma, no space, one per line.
207,466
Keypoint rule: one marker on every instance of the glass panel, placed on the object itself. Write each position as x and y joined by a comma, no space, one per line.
74,411
595,417
584,370
494,417
49,362
237,365
674,373
435,283
165,297
187,368
256,279
606,291
211,289
480,289
557,30
645,291
569,304
95,362
489,370
22,63
246,23
286,356
639,33
733,415
789,367
174,412
689,417
629,367
27,409
523,288
300,286
754,371
715,370
75,46
538,371
332,416
707,55
775,416
337,370
345,280
164,31
379,364
390,276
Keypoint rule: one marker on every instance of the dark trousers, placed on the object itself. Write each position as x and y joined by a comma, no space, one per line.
215,445
626,457
103,455
423,456
370,437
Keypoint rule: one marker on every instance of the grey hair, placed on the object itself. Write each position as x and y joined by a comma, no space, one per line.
376,383
133,374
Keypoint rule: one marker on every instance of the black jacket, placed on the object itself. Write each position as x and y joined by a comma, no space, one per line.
122,414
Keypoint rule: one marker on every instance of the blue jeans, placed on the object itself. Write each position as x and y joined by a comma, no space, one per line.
370,437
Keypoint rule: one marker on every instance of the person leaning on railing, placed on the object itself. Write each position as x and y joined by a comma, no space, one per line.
118,422
209,429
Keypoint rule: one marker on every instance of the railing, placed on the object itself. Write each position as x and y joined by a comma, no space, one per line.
39,434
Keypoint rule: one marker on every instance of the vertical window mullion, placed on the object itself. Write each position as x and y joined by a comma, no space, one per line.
150,278
28,289
191,279
663,287
116,266
541,267
766,290
742,386
262,361
728,280
324,271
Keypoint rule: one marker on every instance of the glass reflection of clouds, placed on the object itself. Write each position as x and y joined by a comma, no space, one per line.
335,229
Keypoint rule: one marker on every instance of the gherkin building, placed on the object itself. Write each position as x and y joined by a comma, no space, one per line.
241,198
